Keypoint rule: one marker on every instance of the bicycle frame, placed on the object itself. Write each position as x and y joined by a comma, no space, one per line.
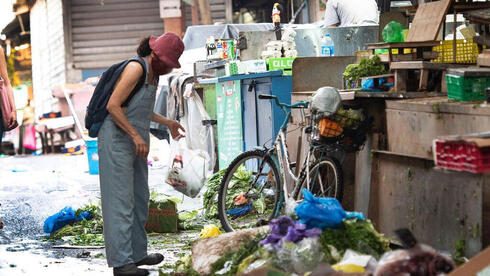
281,149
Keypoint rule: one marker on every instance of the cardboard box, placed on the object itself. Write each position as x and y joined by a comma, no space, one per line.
163,217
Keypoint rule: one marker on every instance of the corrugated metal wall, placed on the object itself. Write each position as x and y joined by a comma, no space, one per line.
48,51
104,32
218,10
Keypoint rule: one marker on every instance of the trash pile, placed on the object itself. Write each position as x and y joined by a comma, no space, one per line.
82,227
241,179
322,239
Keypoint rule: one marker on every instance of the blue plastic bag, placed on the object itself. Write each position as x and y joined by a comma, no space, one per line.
322,212
63,218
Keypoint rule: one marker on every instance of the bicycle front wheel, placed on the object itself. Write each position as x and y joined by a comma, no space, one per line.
249,192
325,179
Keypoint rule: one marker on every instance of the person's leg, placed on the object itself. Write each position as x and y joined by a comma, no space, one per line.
116,158
141,198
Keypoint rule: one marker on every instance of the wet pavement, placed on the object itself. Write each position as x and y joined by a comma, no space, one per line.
34,187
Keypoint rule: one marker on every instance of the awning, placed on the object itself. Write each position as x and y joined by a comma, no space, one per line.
18,31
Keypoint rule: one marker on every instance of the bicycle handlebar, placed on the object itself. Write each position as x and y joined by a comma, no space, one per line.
272,97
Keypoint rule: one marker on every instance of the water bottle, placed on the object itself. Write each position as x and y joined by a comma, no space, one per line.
327,48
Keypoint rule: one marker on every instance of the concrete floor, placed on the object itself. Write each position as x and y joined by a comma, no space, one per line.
34,187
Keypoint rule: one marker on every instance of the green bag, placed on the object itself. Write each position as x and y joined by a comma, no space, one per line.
162,217
393,32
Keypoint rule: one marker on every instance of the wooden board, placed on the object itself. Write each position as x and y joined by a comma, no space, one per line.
440,207
412,132
428,20
400,45
422,65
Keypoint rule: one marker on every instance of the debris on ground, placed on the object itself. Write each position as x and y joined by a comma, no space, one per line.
193,220
206,252
358,235
209,231
84,232
210,196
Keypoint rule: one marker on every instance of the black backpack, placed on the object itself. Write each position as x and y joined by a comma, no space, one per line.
97,108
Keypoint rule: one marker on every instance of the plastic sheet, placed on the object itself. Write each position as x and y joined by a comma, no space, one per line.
301,257
326,100
63,218
322,212
393,32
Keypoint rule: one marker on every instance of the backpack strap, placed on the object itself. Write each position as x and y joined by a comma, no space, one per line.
142,80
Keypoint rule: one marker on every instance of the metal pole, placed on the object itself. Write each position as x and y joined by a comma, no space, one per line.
297,12
454,35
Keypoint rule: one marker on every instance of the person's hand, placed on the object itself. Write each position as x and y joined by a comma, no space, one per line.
13,119
174,127
141,147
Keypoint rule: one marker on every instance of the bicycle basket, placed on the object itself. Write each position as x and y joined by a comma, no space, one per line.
328,128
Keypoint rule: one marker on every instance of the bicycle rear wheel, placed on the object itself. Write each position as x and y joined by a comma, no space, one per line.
325,179
250,191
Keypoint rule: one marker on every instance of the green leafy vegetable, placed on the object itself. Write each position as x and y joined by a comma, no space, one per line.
367,67
236,257
358,235
84,232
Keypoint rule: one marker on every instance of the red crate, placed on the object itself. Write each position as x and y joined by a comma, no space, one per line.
462,156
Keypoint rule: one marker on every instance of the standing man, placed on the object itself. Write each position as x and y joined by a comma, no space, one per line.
344,13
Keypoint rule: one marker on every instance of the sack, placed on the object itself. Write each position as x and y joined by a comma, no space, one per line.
322,212
30,138
189,169
326,100
96,109
5,107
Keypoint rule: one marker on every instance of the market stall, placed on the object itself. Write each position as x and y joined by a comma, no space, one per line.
412,89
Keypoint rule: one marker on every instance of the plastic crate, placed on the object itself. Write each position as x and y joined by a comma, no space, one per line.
461,156
285,64
466,51
466,88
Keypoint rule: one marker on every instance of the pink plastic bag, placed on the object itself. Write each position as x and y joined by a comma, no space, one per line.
30,137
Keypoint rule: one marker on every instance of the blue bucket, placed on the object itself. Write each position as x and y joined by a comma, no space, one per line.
93,157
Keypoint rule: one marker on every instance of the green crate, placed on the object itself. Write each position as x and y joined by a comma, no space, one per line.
467,89
284,64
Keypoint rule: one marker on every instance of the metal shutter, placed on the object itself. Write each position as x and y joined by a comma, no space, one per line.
104,32
218,10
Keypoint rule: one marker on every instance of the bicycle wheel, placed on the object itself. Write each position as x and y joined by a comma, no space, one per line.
249,192
325,179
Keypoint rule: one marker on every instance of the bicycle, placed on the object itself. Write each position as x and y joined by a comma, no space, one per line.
250,190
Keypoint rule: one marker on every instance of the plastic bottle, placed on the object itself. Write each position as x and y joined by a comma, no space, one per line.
327,46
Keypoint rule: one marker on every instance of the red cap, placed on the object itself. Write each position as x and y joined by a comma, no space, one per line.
168,47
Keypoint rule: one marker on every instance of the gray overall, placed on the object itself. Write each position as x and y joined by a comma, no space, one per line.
124,182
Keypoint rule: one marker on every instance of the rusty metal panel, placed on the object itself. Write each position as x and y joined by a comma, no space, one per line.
311,73
440,207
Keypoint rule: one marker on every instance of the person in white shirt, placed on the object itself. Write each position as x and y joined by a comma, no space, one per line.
343,13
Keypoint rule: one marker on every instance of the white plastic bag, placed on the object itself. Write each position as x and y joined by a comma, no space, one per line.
188,169
326,100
